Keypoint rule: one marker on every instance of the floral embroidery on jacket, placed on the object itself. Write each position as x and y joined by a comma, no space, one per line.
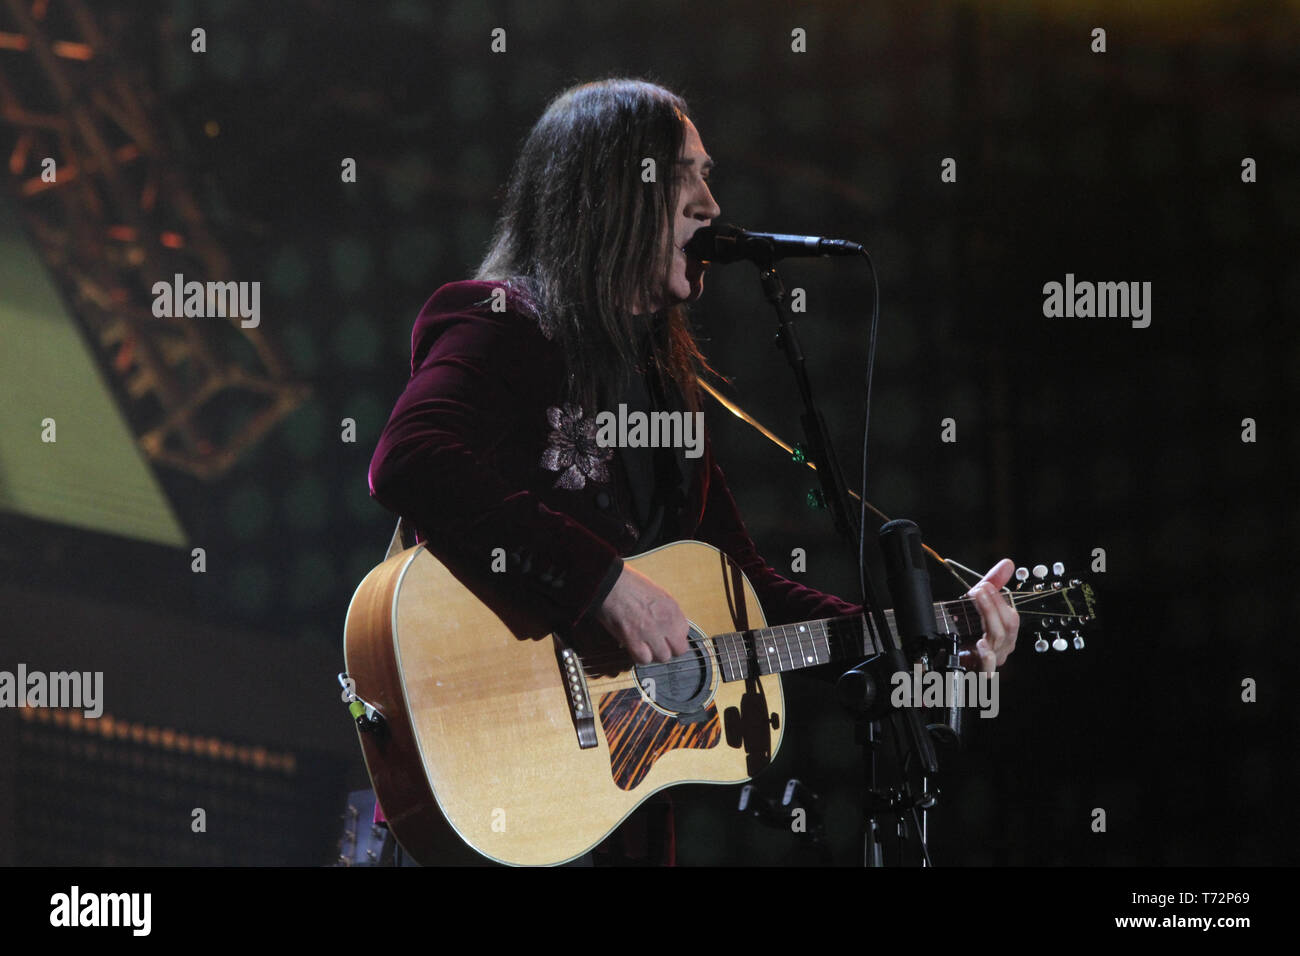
572,450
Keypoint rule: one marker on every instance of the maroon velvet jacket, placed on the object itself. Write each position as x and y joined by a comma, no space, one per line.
481,453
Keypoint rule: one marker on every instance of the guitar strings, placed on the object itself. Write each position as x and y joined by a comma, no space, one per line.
748,641
749,644
964,605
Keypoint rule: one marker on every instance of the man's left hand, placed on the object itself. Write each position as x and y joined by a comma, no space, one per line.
1001,620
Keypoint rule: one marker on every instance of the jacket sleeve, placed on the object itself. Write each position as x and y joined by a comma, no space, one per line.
784,601
438,464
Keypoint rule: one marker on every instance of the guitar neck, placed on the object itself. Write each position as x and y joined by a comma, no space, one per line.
789,647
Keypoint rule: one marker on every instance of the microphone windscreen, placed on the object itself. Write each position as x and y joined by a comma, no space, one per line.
716,243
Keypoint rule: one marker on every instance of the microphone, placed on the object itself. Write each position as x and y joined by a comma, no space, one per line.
909,585
724,243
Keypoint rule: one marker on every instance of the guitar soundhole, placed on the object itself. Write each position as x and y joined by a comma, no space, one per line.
683,685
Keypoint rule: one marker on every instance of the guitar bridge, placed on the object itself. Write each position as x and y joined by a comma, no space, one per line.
575,691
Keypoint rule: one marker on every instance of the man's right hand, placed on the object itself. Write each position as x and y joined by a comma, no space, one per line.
643,618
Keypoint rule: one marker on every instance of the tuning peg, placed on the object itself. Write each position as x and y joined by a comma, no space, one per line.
1078,641
1058,642
1057,569
1040,571
1040,645
1022,575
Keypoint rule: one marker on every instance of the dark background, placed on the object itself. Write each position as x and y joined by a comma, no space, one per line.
1072,434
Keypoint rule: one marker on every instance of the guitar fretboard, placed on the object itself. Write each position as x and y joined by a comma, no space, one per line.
790,647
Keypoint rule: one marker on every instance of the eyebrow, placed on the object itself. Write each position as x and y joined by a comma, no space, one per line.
707,165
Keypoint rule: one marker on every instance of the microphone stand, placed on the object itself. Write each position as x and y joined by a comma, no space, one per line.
910,733
818,447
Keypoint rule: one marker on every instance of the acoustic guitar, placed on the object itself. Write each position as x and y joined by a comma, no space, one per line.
530,748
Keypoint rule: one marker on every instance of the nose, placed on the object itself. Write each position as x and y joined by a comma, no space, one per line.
706,207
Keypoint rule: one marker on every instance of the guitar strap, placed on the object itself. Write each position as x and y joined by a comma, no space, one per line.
946,563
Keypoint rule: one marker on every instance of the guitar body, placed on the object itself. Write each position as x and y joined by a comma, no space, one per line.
479,745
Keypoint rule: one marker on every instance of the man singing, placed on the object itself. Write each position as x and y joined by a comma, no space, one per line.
579,307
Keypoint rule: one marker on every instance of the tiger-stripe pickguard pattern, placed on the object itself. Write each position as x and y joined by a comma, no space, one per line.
638,734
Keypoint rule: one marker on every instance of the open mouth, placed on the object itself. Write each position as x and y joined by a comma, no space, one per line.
690,257
694,268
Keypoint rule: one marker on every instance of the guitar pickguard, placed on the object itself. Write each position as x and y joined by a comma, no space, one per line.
638,734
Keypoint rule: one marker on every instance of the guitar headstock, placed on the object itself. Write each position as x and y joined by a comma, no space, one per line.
1054,609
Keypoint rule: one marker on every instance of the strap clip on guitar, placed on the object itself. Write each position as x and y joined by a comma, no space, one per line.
366,715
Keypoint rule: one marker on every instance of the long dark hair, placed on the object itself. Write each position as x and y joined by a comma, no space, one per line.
581,235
